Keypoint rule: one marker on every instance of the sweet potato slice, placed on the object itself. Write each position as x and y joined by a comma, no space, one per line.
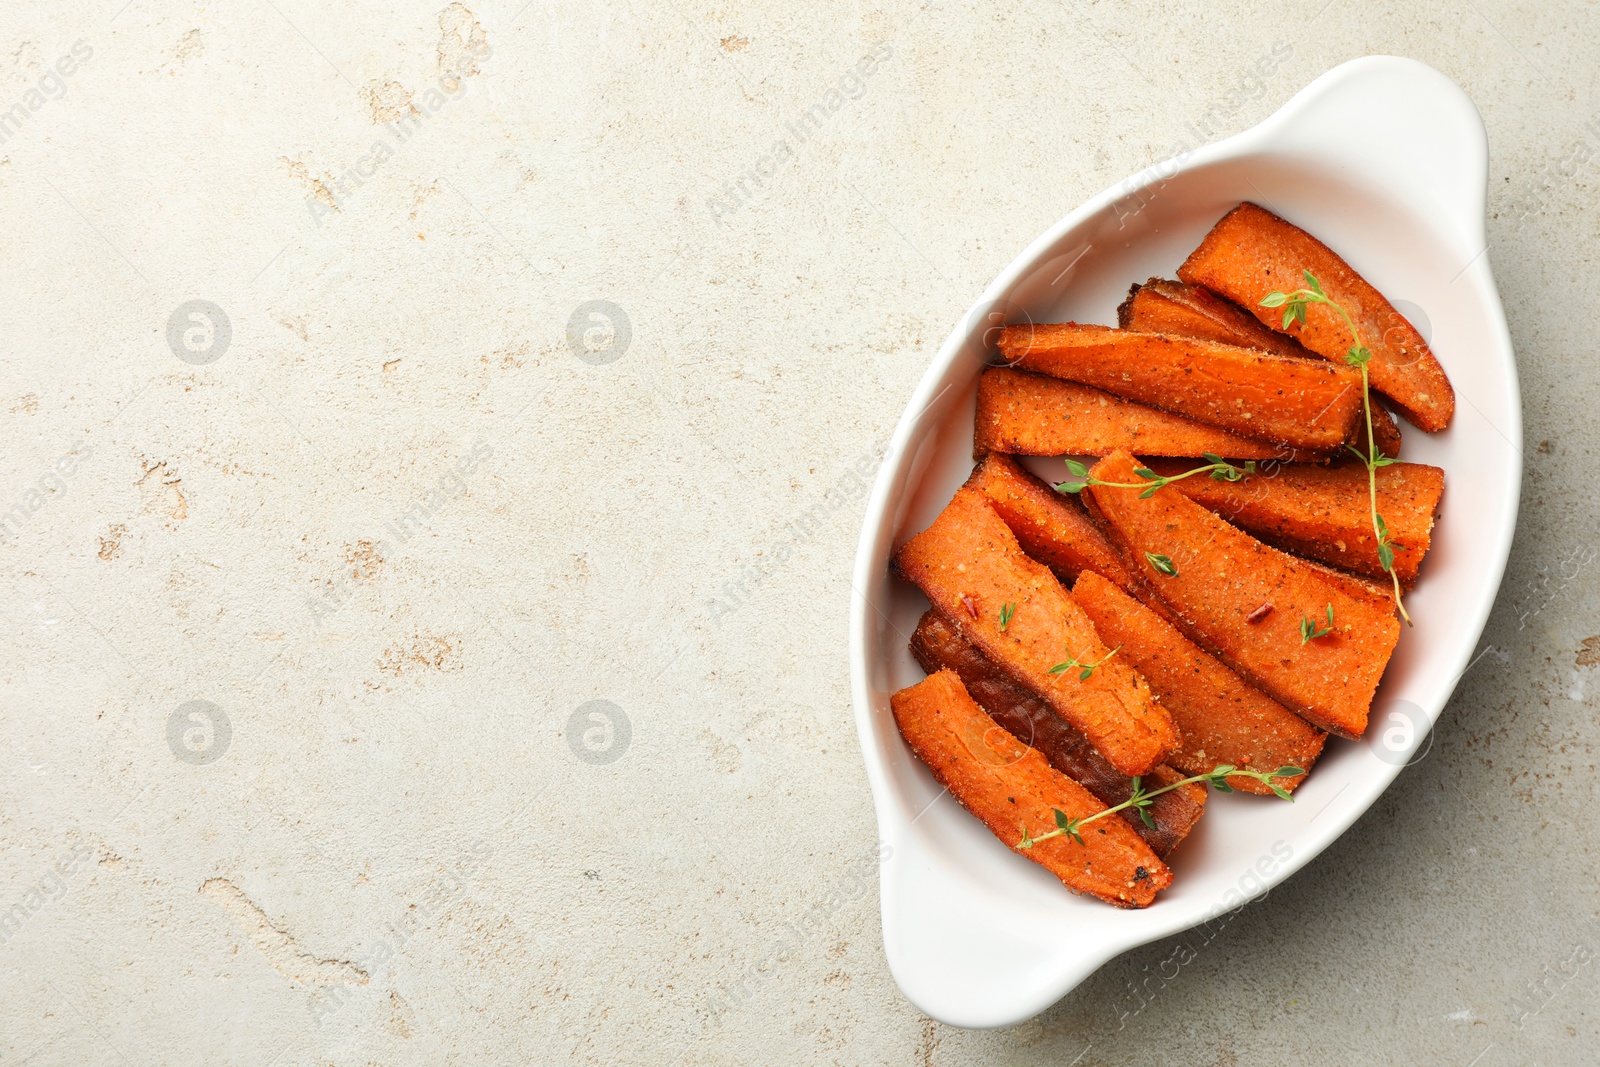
1324,513
1012,790
1222,578
1299,403
1036,415
1052,528
1222,719
970,566
1163,306
938,645
1253,252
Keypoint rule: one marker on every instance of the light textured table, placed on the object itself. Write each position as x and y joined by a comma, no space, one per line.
560,343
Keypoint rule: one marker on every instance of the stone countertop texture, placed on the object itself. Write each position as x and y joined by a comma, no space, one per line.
435,443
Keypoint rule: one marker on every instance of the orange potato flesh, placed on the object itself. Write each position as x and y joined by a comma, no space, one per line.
1222,719
1297,403
1324,513
1224,577
1163,306
970,566
938,645
1052,528
1012,790
1036,415
1252,252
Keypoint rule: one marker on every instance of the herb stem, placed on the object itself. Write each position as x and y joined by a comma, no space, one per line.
1358,357
1140,799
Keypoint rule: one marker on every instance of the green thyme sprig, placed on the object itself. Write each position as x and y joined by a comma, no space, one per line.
1219,469
1140,800
1006,612
1359,355
1087,668
1309,631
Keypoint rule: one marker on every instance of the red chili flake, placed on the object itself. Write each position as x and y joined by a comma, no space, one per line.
970,604
1257,615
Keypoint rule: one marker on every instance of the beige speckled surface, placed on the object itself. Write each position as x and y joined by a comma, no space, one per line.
396,536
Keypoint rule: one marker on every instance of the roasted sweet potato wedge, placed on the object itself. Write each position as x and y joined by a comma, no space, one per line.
1052,528
1323,512
1161,305
1013,790
1036,415
1244,601
1221,718
1297,403
1181,310
938,645
1253,252
971,567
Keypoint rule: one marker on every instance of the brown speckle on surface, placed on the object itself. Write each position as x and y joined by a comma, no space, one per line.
111,543
1589,652
424,652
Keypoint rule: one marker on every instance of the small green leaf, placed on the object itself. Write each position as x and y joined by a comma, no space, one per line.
1150,492
1062,668
1070,487
1146,473
1006,612
1221,785
1386,557
1212,457
1275,300
1072,832
1288,318
1077,468
1311,281
1282,793
1222,770
1162,563
1083,676
1383,460
1287,772
1147,820
1330,614
1300,313
1061,818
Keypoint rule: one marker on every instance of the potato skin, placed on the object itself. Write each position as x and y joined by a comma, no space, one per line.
1011,789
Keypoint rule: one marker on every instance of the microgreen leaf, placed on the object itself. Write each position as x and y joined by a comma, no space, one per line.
1162,563
1086,669
1310,631
1077,468
1006,612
